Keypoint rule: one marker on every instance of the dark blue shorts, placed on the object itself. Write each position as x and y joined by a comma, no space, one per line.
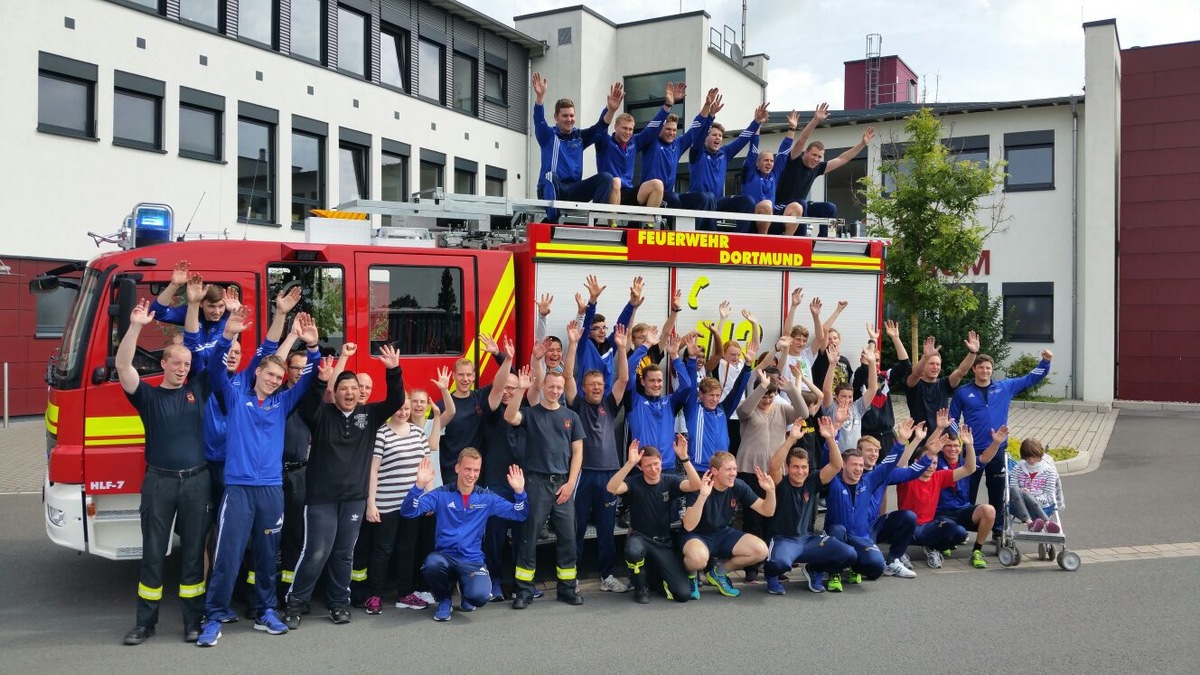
961,517
720,544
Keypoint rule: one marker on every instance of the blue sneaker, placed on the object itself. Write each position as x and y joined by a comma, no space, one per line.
774,587
721,581
537,593
209,634
816,580
443,610
695,586
270,622
497,592
466,606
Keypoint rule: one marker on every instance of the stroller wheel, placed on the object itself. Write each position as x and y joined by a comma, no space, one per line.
1008,556
1016,556
1050,551
1069,560
1042,552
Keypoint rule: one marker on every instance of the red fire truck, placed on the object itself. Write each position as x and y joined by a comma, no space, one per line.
430,303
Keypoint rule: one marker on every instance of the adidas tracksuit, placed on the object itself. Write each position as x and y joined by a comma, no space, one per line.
651,420
708,170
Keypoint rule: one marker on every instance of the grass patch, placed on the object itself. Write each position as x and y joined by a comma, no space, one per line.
1057,454
1042,399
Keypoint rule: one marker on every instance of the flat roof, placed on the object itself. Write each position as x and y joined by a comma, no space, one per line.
588,10
894,111
536,47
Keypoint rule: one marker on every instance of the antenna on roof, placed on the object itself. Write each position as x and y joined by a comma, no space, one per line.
744,10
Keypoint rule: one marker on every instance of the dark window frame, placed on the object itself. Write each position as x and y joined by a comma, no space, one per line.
366,42
394,150
271,188
124,142
474,81
653,103
403,56
219,28
308,302
1028,140
1027,290
203,102
454,324
440,99
355,141
310,131
68,71
273,42
322,35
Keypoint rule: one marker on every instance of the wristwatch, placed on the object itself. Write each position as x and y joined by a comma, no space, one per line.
685,460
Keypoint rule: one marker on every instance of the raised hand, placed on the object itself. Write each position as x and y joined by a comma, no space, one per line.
239,320
796,430
749,316
919,431
574,331
389,356
724,309
580,303
524,379
308,329
869,355
965,436
286,302
539,85
892,329
904,430
680,447
543,304
750,352
943,418
764,480
672,349
349,349
706,484
763,378
716,105
179,275
635,452
536,354
141,314
868,135
709,326
815,306
621,339
872,332
677,301
826,428
999,435
972,341
594,288
833,353
797,297
762,114
516,479
784,343
843,304
442,381
1047,354
425,473
325,368
793,119
196,290
510,350
636,297
616,94
232,301
711,95
822,112
669,97
692,342
651,335
930,347
841,416
489,345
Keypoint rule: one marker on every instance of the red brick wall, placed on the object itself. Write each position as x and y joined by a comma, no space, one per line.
26,355
1159,306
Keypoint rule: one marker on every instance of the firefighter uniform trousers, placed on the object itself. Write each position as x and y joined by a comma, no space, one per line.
169,497
541,489
248,513
292,538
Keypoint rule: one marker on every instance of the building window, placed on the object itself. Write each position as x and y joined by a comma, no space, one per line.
323,289
1029,311
203,12
306,36
495,85
465,83
969,149
308,176
52,311
431,71
893,157
393,172
393,57
417,310
66,96
493,186
464,182
1030,157
256,171
354,168
152,5
431,175
200,125
644,96
137,120
843,187
256,21
352,42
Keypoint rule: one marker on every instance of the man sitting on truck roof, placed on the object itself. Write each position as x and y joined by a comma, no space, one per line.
660,157
760,176
709,163
562,146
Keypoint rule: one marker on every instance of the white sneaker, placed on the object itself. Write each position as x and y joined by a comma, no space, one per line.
612,585
427,597
933,558
906,561
896,569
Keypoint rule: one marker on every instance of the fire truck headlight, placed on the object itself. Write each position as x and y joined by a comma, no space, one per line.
56,517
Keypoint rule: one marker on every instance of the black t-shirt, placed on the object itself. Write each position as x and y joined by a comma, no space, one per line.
652,508
821,366
719,507
796,180
795,507
599,433
879,418
466,429
926,398
296,438
548,438
174,423
505,446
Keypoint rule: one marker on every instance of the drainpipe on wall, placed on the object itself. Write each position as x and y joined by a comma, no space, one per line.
1074,387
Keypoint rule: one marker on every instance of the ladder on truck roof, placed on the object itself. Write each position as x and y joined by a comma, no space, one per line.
477,212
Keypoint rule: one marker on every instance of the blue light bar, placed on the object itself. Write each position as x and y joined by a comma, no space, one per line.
152,224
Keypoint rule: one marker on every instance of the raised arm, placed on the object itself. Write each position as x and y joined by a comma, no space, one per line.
717,350
964,367
691,516
621,343
779,459
928,350
999,440
672,316
440,420
852,152
828,431
138,318
501,378
827,386
765,506
616,485
817,340
161,307
748,405
821,113
512,414
543,312
574,335
1036,375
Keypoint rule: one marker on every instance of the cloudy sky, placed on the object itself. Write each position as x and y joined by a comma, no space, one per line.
962,50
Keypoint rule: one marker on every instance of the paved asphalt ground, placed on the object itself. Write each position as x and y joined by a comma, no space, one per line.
66,612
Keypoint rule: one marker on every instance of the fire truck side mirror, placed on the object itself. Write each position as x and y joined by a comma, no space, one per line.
125,300
100,375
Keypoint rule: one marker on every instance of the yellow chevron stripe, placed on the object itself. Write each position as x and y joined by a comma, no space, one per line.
103,442
585,256
124,425
498,310
582,247
51,418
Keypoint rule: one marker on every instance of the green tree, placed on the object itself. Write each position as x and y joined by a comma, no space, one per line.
931,214
447,298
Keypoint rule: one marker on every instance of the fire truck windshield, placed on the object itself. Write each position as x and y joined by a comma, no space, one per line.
68,368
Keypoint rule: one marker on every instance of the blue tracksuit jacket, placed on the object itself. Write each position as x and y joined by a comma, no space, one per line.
757,186
588,356
661,160
254,433
986,408
708,169
857,513
652,420
708,430
214,416
460,526
617,159
562,154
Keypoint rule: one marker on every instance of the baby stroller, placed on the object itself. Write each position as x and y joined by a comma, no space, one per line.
1050,545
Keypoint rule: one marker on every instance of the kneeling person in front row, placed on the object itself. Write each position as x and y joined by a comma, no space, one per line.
651,497
461,513
707,522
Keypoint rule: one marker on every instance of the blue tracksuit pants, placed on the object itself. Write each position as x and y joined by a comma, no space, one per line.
251,513
592,497
442,572
822,552
896,529
939,534
868,559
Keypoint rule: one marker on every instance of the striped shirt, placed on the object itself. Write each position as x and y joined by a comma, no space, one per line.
398,459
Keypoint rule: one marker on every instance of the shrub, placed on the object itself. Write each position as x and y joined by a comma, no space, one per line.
1057,454
1020,367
